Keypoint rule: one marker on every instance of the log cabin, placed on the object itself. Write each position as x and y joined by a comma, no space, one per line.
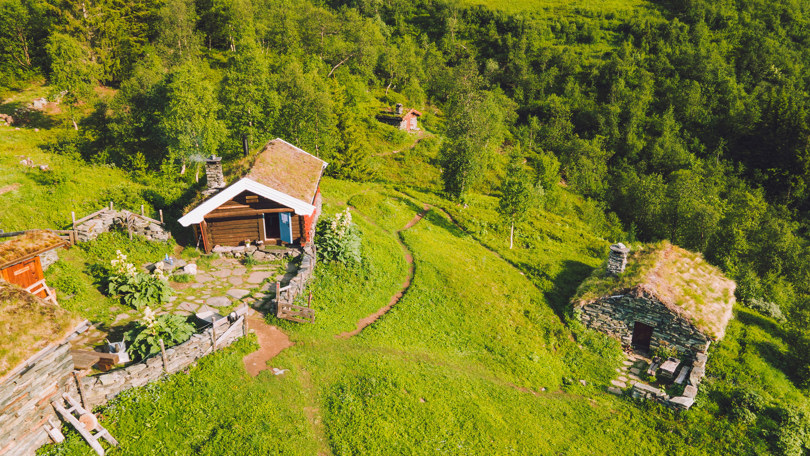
277,201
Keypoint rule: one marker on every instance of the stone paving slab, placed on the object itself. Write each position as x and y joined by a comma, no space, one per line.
218,301
235,280
222,273
614,390
237,293
619,384
259,276
203,277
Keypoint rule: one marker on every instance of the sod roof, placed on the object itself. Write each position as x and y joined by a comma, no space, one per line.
24,246
288,169
28,324
683,281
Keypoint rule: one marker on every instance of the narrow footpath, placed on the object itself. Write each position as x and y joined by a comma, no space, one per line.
363,323
271,342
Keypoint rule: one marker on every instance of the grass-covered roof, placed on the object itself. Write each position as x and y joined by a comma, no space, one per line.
288,169
18,248
28,324
683,281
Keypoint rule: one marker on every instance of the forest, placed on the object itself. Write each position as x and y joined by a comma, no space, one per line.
684,120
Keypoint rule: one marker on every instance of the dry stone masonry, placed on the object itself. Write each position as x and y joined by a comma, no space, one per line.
26,393
617,259
88,228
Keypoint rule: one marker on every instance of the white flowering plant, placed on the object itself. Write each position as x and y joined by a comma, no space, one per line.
143,340
338,239
137,289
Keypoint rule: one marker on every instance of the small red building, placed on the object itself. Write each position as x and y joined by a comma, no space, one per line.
408,120
276,202
21,260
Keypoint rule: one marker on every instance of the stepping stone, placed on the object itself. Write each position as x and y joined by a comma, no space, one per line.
267,286
222,273
238,271
120,317
627,363
618,384
206,309
259,276
203,277
635,377
618,370
172,298
197,285
218,301
187,306
622,378
259,295
614,390
237,293
198,301
635,371
235,280
182,313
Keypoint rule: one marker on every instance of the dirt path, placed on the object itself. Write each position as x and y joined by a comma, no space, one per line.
362,324
313,413
271,340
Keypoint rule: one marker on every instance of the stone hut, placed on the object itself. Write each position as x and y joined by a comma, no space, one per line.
276,200
35,367
666,297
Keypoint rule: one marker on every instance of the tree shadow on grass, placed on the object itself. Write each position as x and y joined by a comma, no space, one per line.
564,285
770,352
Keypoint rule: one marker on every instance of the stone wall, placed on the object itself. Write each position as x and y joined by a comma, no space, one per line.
616,316
27,391
99,389
25,397
259,253
104,220
48,258
299,281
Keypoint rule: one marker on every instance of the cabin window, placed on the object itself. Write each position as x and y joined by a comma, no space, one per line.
251,199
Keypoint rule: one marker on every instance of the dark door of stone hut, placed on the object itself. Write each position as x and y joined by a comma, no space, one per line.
642,333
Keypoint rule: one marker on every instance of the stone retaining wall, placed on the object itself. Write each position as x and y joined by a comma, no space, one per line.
104,220
697,369
99,389
616,316
258,253
298,282
26,393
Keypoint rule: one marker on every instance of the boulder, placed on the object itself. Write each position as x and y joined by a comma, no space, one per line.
190,269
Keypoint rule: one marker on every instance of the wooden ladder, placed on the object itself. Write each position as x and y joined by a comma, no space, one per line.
86,417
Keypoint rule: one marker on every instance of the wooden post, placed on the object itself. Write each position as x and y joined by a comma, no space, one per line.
73,218
81,391
111,205
309,301
161,216
141,210
213,337
163,355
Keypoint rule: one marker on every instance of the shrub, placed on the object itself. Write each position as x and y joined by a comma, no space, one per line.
769,309
338,239
182,278
137,289
144,339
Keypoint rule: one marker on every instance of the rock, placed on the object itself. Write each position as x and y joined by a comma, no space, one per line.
682,402
238,271
237,293
218,301
583,382
259,255
690,391
235,280
635,371
614,390
618,384
259,276
222,273
250,248
180,263
190,269
187,306
203,278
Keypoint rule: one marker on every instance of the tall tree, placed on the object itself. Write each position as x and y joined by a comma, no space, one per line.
351,157
189,123
476,125
516,193
73,74
250,105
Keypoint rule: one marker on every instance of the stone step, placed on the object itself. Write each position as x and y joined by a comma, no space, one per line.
618,383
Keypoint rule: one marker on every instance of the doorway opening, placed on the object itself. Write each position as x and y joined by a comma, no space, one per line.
642,334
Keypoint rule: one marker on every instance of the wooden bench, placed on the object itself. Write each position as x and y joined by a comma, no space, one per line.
85,359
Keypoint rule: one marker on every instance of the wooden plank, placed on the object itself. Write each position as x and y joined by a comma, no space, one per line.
205,234
84,219
90,438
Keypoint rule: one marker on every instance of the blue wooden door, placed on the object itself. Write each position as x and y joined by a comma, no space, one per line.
285,223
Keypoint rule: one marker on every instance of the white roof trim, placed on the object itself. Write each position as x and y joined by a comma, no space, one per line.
197,214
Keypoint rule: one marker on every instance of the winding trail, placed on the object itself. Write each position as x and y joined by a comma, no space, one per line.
363,323
271,342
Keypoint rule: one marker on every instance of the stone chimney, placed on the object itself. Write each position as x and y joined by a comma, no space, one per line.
213,174
399,109
617,259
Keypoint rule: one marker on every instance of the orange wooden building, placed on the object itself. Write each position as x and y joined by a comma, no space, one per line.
20,261
277,201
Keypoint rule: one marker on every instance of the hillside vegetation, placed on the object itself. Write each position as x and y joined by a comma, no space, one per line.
599,121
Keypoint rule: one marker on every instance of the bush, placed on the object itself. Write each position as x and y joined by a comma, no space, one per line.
338,239
769,309
144,339
137,289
